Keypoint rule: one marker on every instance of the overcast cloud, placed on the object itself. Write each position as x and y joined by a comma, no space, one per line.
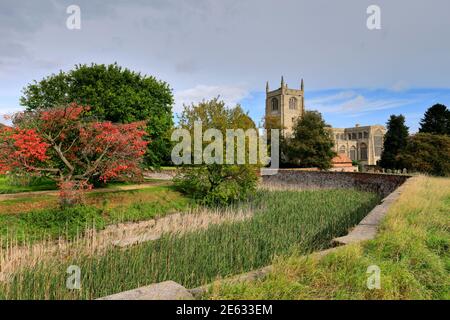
205,48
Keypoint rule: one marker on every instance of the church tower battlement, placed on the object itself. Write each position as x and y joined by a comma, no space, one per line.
284,105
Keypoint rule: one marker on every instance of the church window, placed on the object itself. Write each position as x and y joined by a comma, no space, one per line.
363,151
292,103
366,135
378,143
342,150
274,104
353,135
360,135
353,153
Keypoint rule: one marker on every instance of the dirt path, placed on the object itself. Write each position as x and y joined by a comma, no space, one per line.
32,194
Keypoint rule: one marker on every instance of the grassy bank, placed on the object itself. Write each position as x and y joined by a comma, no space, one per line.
101,209
283,222
412,252
10,185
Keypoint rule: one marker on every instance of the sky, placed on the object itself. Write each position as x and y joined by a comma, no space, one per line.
230,48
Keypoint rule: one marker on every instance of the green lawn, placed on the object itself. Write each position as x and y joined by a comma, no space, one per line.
412,251
101,209
284,222
8,185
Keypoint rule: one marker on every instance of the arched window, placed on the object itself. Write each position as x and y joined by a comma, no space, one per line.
292,103
353,153
342,150
378,142
274,104
363,151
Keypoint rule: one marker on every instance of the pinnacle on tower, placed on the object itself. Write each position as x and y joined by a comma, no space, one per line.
267,86
282,82
302,85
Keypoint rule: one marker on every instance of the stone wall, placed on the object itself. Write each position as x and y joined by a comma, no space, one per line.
382,184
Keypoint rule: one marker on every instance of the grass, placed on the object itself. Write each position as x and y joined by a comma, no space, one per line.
113,193
284,222
15,185
12,185
102,209
412,252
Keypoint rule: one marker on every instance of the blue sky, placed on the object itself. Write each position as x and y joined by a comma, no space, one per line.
347,107
207,48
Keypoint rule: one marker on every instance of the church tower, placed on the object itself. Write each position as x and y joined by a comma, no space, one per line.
284,105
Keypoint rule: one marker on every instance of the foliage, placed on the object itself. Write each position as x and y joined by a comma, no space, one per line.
283,222
395,141
436,120
217,184
65,146
311,144
411,251
115,94
427,153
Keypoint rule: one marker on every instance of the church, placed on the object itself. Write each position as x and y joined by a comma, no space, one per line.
363,144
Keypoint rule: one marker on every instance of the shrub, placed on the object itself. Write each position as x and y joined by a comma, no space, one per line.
427,153
217,184
66,146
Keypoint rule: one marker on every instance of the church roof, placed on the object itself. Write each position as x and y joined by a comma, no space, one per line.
341,159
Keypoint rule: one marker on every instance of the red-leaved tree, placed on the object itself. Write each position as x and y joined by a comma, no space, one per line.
65,145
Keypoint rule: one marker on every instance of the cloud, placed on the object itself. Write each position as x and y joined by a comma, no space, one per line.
353,103
399,86
192,42
231,95
343,95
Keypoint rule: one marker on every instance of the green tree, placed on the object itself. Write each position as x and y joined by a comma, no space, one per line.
395,140
115,94
436,120
311,144
217,184
427,153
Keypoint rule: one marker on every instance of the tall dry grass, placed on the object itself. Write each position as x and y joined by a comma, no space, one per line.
15,255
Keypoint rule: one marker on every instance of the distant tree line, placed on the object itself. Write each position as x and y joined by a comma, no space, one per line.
427,151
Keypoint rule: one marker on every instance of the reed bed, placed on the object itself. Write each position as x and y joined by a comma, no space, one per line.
283,222
15,255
